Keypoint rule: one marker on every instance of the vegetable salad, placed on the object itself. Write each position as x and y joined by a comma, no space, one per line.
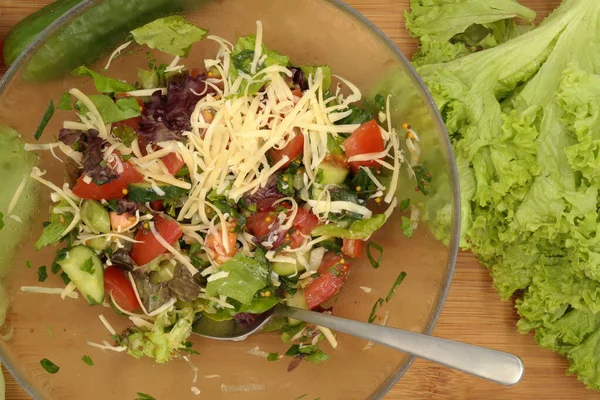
219,192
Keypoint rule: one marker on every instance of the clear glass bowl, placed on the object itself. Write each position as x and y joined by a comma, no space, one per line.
310,32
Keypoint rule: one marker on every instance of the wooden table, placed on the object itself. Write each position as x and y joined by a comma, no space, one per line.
473,312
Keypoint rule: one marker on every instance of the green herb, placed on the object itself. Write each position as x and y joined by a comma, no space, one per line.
88,266
380,104
65,102
285,185
87,360
144,396
49,330
55,268
49,366
288,332
53,232
273,356
397,283
126,157
301,396
317,357
373,314
28,264
126,133
44,121
407,228
404,204
374,263
149,79
103,84
1,220
187,348
65,278
172,35
358,116
42,274
364,181
423,178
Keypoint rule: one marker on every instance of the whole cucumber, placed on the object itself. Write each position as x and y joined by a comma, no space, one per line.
96,31
29,27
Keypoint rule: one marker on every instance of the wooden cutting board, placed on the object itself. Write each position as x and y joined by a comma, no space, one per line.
473,312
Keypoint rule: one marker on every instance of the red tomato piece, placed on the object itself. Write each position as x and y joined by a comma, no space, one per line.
113,190
173,163
305,221
295,239
117,284
292,150
149,248
366,139
332,276
352,248
259,224
157,205
266,204
195,72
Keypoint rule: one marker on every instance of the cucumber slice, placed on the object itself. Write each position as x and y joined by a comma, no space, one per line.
288,269
143,192
86,271
163,274
95,216
299,301
101,243
331,173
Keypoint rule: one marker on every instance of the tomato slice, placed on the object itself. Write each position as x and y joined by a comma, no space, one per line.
295,239
366,139
260,223
150,248
305,221
173,163
157,205
113,190
352,248
293,150
118,285
332,276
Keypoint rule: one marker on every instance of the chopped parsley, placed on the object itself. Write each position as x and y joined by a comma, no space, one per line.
88,266
373,314
65,102
28,264
423,178
397,283
42,274
144,396
404,204
407,228
375,263
45,119
87,360
273,356
49,366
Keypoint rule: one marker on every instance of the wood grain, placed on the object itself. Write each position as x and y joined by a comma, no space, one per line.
473,312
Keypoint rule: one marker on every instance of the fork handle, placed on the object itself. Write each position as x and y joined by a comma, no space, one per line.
496,366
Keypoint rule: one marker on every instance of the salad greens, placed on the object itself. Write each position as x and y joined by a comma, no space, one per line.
45,119
523,119
172,35
218,193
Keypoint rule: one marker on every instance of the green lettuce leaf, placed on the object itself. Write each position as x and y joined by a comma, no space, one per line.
169,334
172,35
112,111
241,61
246,277
103,84
524,120
361,229
311,70
450,29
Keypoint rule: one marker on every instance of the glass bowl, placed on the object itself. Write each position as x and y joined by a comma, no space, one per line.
310,32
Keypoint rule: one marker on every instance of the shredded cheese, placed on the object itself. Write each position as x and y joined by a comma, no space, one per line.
43,290
116,53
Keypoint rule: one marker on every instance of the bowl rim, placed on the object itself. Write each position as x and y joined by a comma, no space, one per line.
453,245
